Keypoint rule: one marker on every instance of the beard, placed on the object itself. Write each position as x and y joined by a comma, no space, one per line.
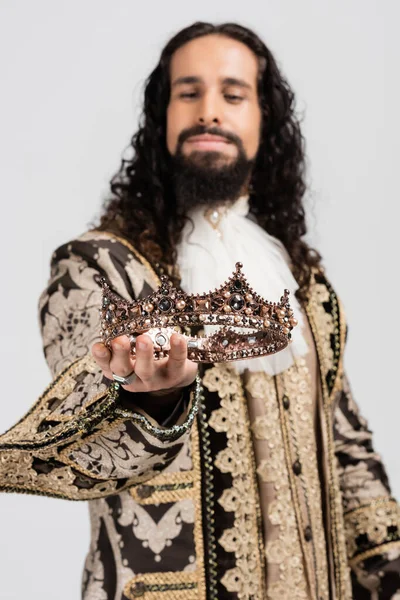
207,178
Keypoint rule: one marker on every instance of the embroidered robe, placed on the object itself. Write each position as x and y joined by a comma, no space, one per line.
255,491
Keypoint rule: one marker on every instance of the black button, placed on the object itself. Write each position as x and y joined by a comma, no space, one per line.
144,491
297,467
308,533
286,402
138,589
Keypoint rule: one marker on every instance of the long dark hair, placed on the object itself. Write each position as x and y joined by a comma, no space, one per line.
142,206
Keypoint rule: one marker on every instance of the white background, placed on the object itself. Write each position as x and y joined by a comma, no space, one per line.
71,78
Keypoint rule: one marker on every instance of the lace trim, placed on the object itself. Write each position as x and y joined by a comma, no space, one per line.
324,324
330,328
323,327
284,551
61,386
389,551
373,525
84,423
299,422
247,579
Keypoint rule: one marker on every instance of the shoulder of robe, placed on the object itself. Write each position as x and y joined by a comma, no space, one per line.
113,256
90,242
320,281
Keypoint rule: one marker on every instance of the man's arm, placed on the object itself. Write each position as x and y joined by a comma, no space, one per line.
86,437
372,516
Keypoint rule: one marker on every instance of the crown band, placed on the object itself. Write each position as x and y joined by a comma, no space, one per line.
245,324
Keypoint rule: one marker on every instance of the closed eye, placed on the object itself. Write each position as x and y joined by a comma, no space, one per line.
233,97
188,95
230,97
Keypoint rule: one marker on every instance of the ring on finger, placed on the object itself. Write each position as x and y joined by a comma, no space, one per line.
128,380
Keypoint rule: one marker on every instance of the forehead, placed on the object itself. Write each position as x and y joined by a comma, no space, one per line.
214,57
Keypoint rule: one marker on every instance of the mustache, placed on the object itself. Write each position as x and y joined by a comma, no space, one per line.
201,130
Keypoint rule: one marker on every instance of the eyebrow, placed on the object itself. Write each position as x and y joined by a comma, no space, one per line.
227,81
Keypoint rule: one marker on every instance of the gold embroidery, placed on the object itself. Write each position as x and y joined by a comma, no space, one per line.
342,570
284,552
330,328
372,521
340,348
322,328
302,438
60,387
168,487
248,577
17,475
324,325
172,487
209,495
391,547
170,585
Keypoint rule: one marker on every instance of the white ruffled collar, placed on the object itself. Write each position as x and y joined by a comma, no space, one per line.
206,258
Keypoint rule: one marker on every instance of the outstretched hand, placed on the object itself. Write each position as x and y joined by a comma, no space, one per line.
164,375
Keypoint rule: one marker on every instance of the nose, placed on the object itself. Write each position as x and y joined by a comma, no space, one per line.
209,111
205,121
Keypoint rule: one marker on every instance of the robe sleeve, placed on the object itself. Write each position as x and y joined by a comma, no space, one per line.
79,441
371,514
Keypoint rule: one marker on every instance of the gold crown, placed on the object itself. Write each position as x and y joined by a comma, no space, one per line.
247,325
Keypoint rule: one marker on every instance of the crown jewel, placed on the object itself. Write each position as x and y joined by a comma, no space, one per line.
245,324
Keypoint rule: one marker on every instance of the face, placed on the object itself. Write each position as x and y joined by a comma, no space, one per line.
213,115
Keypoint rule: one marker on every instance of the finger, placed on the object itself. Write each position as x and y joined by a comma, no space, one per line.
144,366
177,357
102,357
121,361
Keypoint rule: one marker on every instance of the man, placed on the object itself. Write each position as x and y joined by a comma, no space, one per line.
250,481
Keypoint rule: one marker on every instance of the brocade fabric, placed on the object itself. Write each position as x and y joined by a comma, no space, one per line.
264,488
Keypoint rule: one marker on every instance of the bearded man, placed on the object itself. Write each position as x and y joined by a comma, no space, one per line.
246,480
